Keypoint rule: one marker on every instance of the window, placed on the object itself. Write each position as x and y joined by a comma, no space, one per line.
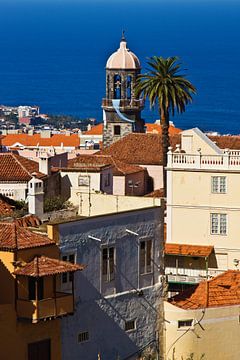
68,277
185,323
83,180
107,180
34,283
145,256
130,325
39,350
219,224
117,130
108,264
219,184
83,336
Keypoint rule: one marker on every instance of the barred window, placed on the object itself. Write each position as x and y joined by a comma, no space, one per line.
219,224
83,336
185,323
219,184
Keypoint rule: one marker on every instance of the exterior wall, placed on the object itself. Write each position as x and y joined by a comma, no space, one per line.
100,204
194,140
16,191
156,173
52,185
70,187
12,330
16,336
217,337
137,187
190,203
118,185
103,307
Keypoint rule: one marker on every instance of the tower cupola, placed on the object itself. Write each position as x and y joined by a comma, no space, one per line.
121,108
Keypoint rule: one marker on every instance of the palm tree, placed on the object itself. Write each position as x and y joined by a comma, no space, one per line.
165,87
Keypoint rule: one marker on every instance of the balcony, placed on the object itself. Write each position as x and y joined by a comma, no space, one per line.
125,104
51,308
227,161
189,276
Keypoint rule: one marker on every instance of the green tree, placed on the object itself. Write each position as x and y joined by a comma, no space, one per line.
168,89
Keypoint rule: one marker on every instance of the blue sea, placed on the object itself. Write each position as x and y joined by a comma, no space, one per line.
53,53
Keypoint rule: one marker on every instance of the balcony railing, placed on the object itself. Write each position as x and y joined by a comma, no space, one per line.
226,161
125,103
36,310
189,276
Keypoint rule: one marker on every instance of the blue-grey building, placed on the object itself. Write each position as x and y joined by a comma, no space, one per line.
119,294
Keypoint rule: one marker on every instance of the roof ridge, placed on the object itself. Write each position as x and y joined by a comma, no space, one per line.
19,162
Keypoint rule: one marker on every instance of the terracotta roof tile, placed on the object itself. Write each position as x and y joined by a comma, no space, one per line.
13,237
226,142
72,140
188,250
95,130
120,168
223,290
158,193
5,208
44,266
141,149
28,220
14,167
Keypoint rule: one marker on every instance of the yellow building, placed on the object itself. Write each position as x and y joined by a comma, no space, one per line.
203,207
31,300
205,320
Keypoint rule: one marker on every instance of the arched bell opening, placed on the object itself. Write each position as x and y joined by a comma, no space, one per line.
129,87
117,87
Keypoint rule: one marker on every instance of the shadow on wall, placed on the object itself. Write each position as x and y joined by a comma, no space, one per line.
65,187
104,320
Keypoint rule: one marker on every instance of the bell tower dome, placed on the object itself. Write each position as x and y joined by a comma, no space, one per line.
121,108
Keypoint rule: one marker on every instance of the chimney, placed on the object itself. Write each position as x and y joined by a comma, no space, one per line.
35,196
45,134
44,163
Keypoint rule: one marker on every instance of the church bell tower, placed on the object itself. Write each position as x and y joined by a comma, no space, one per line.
121,108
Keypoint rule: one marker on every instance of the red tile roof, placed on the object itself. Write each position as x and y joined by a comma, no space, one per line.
157,129
188,250
44,266
223,290
95,130
142,149
120,168
5,208
14,167
226,142
28,220
35,140
13,237
158,193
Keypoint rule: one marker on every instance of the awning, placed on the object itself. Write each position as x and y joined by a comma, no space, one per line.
188,250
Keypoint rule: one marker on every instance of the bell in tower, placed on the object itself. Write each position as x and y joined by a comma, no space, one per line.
121,108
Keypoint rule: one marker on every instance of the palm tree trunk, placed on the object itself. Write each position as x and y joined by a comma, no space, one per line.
165,144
